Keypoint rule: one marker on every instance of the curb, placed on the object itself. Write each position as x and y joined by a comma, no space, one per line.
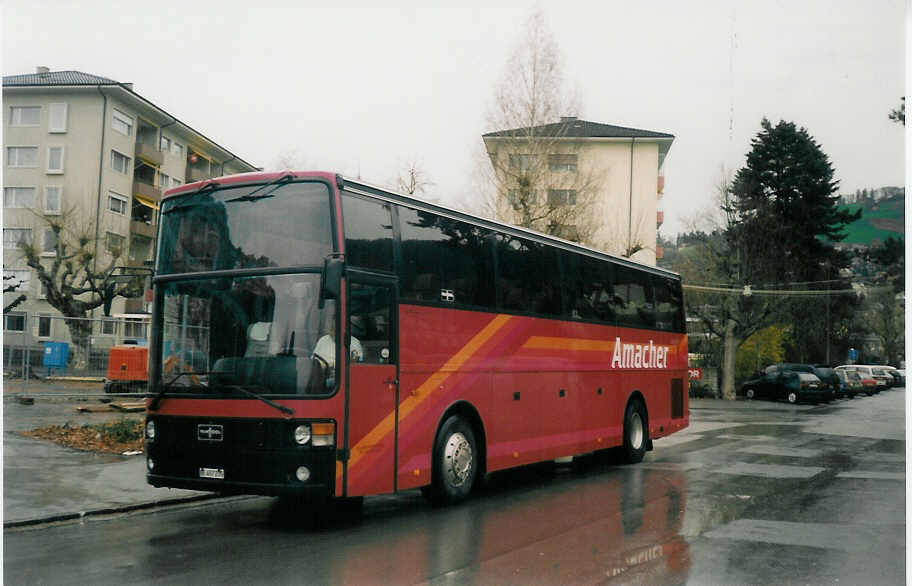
114,510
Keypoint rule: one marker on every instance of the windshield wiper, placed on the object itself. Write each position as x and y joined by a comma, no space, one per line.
164,388
206,187
273,404
275,184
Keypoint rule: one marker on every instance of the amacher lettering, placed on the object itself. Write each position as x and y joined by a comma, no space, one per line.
639,355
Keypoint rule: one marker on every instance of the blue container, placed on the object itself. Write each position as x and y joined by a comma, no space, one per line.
56,354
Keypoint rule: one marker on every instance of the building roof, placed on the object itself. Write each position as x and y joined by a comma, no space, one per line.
576,128
56,78
45,78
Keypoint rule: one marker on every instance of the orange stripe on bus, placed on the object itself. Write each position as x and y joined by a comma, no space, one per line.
387,424
553,343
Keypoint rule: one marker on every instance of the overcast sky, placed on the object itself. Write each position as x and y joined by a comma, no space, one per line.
365,87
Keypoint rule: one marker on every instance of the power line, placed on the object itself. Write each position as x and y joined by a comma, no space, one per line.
748,291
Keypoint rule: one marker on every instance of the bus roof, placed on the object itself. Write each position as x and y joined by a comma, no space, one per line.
396,197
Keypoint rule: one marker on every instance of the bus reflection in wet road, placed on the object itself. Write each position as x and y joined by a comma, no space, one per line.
541,524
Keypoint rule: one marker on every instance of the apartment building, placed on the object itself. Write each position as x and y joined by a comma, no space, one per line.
91,147
611,173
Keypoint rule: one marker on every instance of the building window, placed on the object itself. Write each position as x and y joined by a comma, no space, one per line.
25,115
163,181
120,163
14,322
22,156
177,150
53,199
55,159
117,203
48,242
134,328
114,243
517,199
562,163
44,326
15,237
522,162
57,118
165,144
108,327
175,182
122,123
561,197
18,197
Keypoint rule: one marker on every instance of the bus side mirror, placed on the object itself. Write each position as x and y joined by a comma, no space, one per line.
331,279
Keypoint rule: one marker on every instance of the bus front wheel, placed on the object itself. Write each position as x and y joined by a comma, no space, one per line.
455,462
635,432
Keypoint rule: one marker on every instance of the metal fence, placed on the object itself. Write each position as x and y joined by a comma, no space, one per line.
39,346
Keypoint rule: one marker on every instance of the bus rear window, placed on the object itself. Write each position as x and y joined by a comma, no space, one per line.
246,227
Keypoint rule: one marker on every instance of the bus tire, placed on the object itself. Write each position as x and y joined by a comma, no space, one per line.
636,432
455,464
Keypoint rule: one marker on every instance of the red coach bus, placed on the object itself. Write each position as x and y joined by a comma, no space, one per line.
319,337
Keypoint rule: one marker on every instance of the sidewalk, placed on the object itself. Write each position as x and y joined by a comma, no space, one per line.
44,482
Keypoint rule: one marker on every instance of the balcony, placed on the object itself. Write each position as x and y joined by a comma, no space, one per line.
660,252
661,184
142,228
660,218
147,191
196,174
149,153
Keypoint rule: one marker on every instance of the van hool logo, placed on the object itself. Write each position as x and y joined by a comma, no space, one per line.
208,432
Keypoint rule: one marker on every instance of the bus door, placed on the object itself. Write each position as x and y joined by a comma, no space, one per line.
373,384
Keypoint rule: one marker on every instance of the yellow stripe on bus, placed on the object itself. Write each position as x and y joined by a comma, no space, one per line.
554,343
433,382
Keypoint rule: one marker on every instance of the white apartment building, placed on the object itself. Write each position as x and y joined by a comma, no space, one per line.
92,147
622,168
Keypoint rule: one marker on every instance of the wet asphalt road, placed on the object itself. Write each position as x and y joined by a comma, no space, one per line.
766,493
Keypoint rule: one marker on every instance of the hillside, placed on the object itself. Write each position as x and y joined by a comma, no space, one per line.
879,220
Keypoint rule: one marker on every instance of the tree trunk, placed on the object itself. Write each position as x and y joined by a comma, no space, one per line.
729,354
80,334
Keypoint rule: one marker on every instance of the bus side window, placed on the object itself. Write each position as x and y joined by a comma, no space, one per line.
371,325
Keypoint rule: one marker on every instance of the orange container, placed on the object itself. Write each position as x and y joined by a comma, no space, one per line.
128,364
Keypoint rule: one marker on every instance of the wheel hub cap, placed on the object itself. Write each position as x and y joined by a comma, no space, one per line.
457,459
636,431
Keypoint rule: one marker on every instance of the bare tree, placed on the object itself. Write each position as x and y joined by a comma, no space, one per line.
11,284
532,175
289,159
73,282
412,179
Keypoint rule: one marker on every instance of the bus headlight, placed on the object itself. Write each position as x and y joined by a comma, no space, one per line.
303,473
150,430
302,434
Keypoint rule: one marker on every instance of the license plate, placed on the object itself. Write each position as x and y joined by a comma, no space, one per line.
218,473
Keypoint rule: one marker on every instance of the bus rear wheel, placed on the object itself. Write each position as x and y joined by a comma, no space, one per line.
636,432
455,462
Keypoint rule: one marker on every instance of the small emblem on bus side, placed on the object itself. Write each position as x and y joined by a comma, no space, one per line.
208,432
447,295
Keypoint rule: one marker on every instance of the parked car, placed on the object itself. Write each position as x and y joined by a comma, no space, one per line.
784,384
868,380
899,376
830,381
883,377
851,382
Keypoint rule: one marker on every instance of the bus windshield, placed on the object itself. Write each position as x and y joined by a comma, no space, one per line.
249,226
256,334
